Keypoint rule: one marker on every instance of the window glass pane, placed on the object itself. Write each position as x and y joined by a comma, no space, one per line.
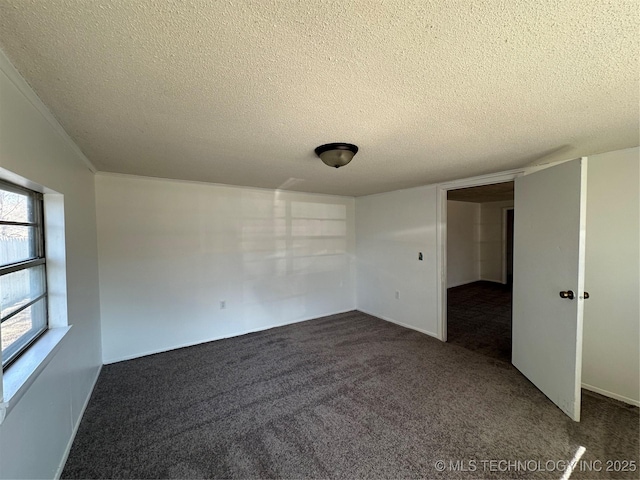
19,288
15,207
16,244
22,328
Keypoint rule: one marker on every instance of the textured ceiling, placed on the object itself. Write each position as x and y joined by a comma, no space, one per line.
241,92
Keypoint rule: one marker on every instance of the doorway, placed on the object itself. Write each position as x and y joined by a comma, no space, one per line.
480,268
507,222
549,259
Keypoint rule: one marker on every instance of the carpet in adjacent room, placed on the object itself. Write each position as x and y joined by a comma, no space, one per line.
479,318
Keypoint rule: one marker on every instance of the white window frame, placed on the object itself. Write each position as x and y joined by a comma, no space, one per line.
22,373
38,260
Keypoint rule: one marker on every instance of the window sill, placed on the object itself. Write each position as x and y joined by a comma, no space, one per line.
23,372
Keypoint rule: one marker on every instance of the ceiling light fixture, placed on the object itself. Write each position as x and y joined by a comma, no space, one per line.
336,154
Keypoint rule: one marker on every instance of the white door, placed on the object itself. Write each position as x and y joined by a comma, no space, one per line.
549,252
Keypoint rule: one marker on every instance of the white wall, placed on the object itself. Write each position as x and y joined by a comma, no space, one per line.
171,251
391,229
463,247
37,431
611,363
491,240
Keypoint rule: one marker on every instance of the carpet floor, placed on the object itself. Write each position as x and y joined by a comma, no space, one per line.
345,396
479,318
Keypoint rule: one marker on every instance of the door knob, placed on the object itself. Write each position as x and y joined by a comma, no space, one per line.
568,294
586,295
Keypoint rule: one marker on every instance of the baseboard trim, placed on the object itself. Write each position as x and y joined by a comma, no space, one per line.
411,327
67,450
221,337
493,280
464,282
467,282
615,396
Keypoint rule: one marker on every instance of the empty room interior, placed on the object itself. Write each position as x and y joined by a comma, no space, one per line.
319,239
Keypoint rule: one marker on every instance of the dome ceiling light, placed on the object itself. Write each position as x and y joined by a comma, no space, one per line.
336,154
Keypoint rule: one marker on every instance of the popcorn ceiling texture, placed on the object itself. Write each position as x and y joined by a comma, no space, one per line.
241,92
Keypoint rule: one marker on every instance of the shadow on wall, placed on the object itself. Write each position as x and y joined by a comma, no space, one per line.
291,249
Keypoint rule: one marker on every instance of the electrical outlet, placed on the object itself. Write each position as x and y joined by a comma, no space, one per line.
223,304
397,295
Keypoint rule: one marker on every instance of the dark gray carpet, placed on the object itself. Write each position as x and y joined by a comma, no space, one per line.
346,396
479,318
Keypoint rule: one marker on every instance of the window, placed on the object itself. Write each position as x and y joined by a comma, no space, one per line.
23,284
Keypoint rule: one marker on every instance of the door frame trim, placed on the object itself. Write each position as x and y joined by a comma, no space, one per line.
441,226
441,231
505,210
